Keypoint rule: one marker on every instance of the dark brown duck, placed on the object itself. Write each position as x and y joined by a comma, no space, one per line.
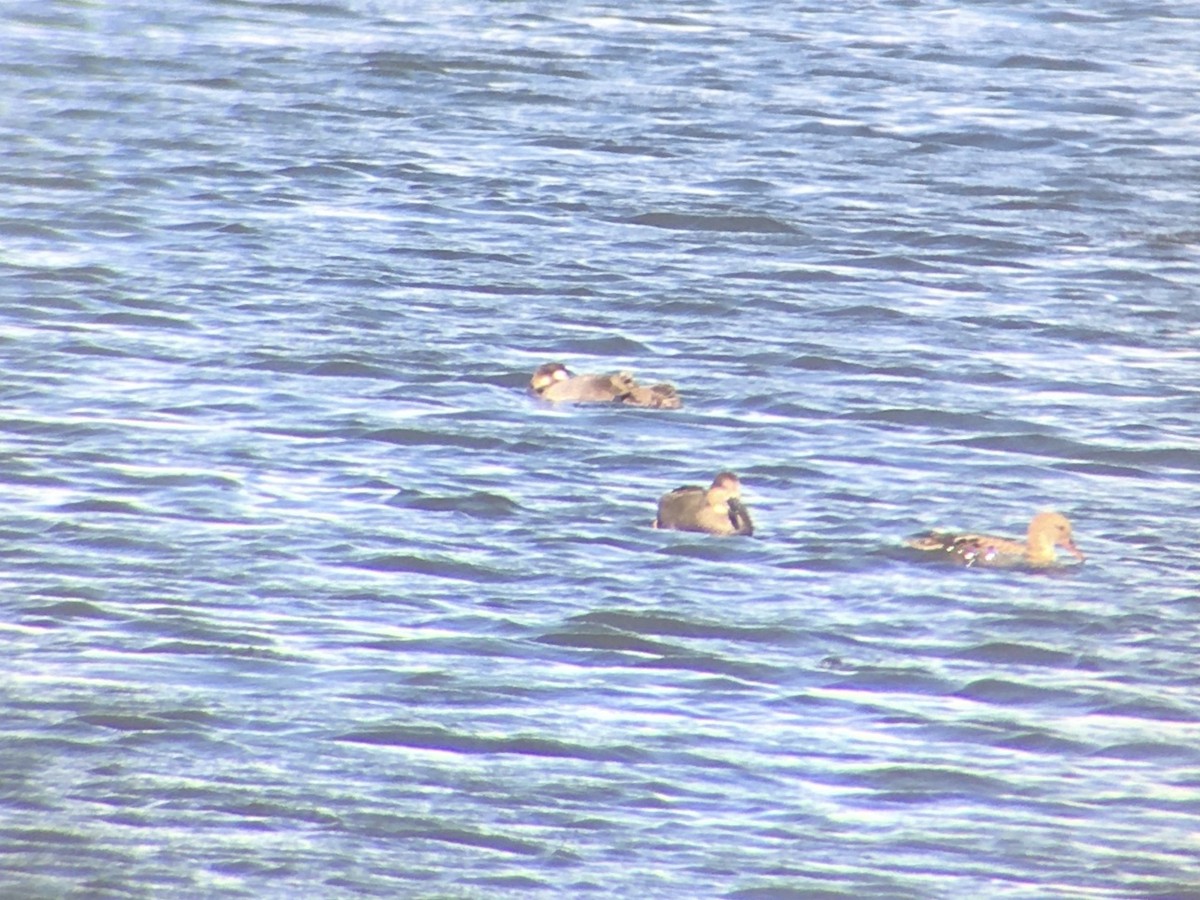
717,509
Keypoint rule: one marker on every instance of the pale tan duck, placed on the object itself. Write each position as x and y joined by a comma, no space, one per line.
554,382
717,509
1047,531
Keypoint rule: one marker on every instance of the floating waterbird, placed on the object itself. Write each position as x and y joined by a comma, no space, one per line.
717,509
554,382
1047,531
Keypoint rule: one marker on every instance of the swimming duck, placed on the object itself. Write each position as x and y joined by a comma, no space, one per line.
717,509
1047,531
554,382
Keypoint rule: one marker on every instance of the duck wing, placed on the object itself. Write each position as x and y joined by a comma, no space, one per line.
679,508
970,549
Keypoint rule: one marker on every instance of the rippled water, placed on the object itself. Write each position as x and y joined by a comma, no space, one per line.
303,595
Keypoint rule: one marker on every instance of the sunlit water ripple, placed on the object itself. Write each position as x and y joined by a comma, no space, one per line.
304,596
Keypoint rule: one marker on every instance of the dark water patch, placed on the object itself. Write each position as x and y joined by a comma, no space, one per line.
741,185
618,641
1073,333
34,479
1049,63
418,437
113,542
931,782
621,148
127,722
514,96
348,368
421,738
36,309
1151,751
203,410
813,275
447,255
42,836
1006,653
168,622
699,222
773,405
55,429
607,345
713,664
815,363
283,365
87,348
894,680
1157,710
808,891
892,262
437,567
496,289
325,172
1035,444
469,648
47,182
273,811
209,226
196,648
713,549
477,504
1044,742
72,609
143,320
651,623
985,140
412,828
1106,470
1003,692
521,883
934,418
1123,275
180,480
107,507
18,228
866,313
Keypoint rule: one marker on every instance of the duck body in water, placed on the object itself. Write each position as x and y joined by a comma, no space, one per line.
1047,531
556,383
717,509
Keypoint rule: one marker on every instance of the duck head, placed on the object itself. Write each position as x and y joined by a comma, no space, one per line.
547,375
725,487
1047,531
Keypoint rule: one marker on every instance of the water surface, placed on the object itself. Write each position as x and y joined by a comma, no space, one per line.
304,596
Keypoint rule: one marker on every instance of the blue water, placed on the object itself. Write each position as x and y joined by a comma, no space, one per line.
303,595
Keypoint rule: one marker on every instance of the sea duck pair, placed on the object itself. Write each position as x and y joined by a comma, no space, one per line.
718,509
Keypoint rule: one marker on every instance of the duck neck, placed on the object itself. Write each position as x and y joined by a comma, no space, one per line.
1040,549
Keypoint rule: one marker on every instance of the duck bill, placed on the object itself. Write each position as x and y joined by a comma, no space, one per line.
1074,551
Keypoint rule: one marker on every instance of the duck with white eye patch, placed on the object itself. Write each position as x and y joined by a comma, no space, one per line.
556,383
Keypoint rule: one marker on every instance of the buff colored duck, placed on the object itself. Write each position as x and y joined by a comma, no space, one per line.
717,509
556,383
1047,531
